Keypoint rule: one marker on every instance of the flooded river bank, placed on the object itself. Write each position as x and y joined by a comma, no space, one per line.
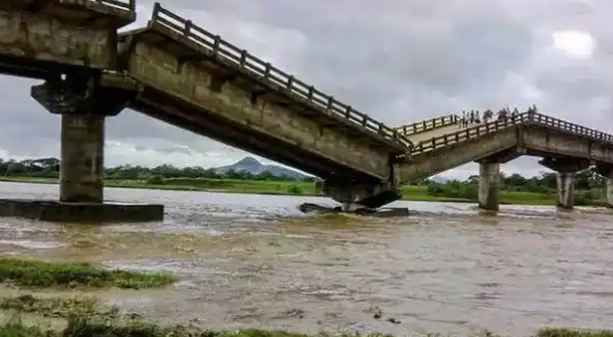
256,261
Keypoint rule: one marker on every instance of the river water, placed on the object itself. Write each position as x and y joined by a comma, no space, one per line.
255,261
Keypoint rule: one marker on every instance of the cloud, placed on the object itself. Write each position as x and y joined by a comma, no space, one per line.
399,61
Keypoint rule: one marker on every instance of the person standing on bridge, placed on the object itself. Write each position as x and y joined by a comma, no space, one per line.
514,115
487,115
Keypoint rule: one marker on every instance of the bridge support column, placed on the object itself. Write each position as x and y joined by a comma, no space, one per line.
566,190
84,101
606,170
82,158
610,191
489,189
566,169
355,196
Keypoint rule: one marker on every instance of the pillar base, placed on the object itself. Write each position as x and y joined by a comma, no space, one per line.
381,213
56,211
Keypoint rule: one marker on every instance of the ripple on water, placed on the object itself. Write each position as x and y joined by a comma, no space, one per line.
32,244
246,261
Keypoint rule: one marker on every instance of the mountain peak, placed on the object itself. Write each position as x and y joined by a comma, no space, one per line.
248,161
253,166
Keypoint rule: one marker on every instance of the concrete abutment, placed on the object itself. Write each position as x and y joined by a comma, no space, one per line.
84,101
566,169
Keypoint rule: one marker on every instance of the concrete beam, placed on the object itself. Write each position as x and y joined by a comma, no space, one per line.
567,165
503,156
489,189
360,195
232,106
59,35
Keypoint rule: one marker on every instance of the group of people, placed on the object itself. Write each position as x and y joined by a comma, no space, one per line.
474,116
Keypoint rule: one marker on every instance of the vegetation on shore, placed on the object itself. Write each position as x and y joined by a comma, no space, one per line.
38,274
515,189
58,306
453,191
85,327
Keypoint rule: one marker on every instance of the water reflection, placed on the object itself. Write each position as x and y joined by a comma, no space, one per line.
246,260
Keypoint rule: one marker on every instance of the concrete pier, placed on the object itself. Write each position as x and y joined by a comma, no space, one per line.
566,169
84,102
610,192
82,158
566,190
489,189
606,170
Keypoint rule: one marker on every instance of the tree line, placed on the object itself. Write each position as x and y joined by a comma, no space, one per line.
589,186
50,168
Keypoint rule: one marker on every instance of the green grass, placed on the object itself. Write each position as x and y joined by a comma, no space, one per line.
38,274
58,306
409,193
420,193
82,327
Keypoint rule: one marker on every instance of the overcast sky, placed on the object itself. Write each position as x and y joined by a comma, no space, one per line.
399,61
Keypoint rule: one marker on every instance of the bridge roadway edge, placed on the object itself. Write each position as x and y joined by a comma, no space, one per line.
81,187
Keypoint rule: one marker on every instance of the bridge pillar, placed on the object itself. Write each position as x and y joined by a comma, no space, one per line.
82,158
489,187
566,169
606,170
610,191
356,196
83,100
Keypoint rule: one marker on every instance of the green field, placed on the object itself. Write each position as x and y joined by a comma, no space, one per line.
410,193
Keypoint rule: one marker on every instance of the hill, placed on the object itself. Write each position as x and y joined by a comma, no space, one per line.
253,166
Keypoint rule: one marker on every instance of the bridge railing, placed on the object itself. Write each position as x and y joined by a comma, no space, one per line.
279,80
428,124
495,126
124,4
570,127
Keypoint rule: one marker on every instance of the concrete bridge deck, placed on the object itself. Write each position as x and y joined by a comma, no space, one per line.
180,73
428,125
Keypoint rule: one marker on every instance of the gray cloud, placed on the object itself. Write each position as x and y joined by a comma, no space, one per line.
396,60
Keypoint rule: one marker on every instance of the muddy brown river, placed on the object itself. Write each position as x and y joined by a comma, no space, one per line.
255,261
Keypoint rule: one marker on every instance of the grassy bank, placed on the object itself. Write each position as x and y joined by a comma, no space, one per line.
409,193
59,307
79,326
38,274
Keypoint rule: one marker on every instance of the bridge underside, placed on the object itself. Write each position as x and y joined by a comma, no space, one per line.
158,105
